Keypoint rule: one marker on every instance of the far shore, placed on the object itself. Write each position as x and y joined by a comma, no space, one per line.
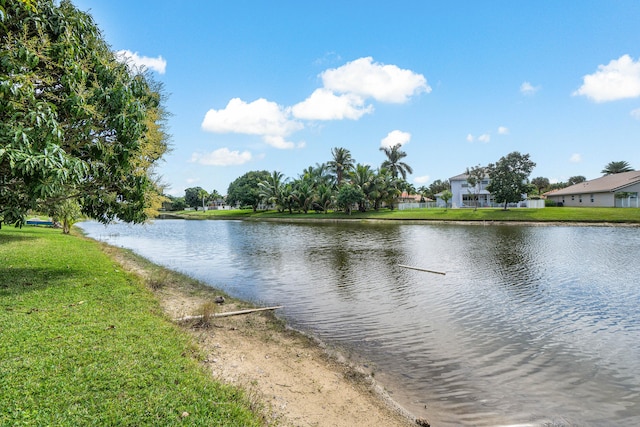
604,217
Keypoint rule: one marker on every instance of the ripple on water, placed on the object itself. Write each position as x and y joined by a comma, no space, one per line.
530,325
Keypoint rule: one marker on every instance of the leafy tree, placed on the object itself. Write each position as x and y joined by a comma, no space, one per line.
616,167
540,183
446,195
394,161
348,195
475,175
245,190
177,203
75,123
576,180
509,177
342,163
193,196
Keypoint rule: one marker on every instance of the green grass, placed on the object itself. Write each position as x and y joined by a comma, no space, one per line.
564,214
84,343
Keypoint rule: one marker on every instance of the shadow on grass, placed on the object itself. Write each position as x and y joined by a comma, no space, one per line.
15,281
23,235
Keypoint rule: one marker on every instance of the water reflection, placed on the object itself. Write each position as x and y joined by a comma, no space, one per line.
530,324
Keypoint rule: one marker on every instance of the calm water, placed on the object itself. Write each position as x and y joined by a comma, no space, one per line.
530,325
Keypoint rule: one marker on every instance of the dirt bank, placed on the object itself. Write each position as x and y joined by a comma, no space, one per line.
291,377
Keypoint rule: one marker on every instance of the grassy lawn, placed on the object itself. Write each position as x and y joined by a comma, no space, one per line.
84,343
564,214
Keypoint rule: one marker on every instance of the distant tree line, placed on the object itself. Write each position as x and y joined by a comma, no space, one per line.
341,183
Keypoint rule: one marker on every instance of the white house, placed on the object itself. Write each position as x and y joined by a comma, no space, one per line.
464,195
619,190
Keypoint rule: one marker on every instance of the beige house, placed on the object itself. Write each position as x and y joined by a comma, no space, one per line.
616,190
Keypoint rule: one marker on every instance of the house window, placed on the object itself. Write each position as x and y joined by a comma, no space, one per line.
465,185
580,198
592,198
485,181
573,197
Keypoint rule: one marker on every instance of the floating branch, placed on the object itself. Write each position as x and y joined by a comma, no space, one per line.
228,313
421,269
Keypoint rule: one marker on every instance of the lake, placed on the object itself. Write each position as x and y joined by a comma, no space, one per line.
531,325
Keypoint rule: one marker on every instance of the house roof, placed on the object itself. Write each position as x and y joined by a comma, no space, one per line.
463,177
605,184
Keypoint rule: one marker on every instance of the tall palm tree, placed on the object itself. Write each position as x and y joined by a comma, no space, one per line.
342,162
617,167
394,163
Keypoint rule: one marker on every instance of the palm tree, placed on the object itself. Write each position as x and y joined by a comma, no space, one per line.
202,194
303,193
342,162
362,177
271,189
540,183
324,197
394,163
319,174
617,167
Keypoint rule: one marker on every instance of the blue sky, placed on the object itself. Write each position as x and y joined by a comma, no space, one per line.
274,85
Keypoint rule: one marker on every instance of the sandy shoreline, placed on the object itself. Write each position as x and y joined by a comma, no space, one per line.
293,380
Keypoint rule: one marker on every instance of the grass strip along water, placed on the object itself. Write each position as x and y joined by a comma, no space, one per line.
567,215
85,343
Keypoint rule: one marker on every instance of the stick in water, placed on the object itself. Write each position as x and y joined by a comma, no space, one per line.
421,269
229,313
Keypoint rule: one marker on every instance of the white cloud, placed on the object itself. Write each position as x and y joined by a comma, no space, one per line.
617,80
635,113
470,137
343,96
221,157
325,105
421,179
484,137
527,88
192,180
277,141
385,83
575,158
395,137
141,63
503,130
260,117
